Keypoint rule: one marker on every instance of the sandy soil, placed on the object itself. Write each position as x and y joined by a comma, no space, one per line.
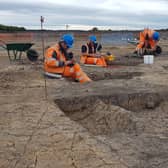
120,120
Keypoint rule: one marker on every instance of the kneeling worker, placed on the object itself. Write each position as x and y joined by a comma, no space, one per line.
59,61
90,53
148,41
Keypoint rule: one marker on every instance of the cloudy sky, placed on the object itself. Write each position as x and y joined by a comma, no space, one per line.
85,14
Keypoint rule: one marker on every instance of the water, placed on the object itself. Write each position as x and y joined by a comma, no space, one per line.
116,38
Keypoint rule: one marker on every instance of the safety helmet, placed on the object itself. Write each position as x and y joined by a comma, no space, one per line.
92,38
68,39
156,36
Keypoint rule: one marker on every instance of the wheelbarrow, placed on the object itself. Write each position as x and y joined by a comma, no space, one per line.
17,49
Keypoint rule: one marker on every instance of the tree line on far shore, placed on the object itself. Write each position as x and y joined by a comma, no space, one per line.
5,28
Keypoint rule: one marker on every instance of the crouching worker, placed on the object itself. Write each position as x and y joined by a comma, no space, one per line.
90,53
59,62
148,41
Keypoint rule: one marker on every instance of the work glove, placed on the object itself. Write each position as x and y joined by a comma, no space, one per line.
69,56
61,63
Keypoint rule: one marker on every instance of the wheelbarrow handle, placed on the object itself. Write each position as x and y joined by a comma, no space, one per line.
3,45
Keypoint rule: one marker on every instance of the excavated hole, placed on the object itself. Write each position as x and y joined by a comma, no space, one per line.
105,115
114,75
115,70
126,61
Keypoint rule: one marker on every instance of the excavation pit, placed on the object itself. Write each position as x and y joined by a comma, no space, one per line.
107,115
114,75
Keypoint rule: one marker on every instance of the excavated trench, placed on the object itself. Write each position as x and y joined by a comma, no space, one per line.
130,119
117,69
105,115
126,61
133,126
102,119
113,75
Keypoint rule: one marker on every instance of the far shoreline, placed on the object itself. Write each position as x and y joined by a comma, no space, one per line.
77,31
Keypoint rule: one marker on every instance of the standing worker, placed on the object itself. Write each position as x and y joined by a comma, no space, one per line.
148,41
59,61
91,53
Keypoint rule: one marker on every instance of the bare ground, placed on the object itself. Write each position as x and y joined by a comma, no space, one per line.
120,120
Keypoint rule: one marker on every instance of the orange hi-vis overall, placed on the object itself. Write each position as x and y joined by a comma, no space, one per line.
51,65
86,59
142,41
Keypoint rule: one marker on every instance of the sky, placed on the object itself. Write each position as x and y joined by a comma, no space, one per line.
85,14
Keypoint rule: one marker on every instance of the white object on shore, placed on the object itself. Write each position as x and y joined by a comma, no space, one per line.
148,59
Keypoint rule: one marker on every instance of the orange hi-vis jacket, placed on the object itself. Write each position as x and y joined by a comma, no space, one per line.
86,59
52,65
146,39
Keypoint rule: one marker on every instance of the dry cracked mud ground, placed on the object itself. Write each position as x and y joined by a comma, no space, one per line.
120,120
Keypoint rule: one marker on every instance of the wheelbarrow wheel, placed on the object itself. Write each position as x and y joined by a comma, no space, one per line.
32,55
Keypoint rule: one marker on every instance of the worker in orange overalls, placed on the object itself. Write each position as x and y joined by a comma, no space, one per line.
90,53
59,61
148,43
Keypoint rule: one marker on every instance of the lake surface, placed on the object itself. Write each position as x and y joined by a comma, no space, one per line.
117,38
